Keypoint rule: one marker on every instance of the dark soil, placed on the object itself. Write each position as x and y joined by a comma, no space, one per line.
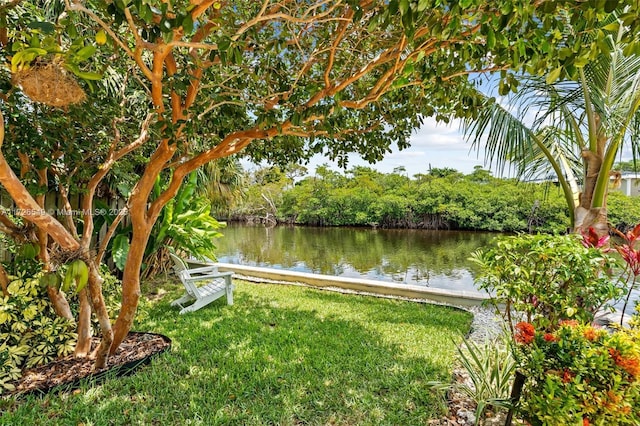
137,349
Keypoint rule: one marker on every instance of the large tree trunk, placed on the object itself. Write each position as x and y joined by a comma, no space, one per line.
142,221
130,285
595,218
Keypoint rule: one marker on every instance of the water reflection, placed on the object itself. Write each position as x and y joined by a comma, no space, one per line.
430,258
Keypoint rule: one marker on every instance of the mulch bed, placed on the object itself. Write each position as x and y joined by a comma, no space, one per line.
66,373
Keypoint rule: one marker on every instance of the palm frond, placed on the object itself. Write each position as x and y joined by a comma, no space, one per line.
504,137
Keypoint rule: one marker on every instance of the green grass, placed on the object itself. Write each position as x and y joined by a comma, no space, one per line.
281,355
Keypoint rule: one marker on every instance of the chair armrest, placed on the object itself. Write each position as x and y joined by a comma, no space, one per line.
207,276
203,269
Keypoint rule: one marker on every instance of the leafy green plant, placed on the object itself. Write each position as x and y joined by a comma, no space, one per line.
579,373
185,224
490,368
30,332
24,261
546,278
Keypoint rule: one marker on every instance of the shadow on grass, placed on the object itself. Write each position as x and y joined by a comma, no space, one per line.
397,312
280,355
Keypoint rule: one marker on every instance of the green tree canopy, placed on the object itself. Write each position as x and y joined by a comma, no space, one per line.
279,80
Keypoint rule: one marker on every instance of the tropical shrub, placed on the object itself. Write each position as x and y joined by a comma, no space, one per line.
623,211
30,331
578,374
546,279
185,224
32,334
490,368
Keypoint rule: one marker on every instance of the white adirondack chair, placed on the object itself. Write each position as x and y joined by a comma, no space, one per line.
217,284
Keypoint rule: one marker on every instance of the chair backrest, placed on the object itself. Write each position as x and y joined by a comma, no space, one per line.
182,271
178,264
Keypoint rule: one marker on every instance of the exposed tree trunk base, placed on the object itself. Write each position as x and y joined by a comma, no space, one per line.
595,218
101,353
126,315
83,345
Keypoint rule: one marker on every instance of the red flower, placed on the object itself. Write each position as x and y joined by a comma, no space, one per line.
548,337
525,333
630,236
591,239
567,376
631,257
585,421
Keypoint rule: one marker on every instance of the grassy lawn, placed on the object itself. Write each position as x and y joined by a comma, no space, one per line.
281,355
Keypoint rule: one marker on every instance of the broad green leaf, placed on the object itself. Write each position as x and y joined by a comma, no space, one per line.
422,5
610,5
120,250
613,27
85,53
491,38
187,24
403,5
223,44
553,75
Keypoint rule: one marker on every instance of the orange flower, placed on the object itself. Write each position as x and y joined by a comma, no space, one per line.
590,334
569,323
629,364
585,421
548,337
615,354
525,333
613,397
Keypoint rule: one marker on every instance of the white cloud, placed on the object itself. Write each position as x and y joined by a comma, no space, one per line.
433,145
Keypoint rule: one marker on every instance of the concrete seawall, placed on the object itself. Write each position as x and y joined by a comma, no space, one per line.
450,297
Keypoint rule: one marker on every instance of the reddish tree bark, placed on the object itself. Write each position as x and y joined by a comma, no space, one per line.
4,281
60,303
83,345
101,353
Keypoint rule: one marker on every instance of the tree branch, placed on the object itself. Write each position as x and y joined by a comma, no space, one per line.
112,158
110,231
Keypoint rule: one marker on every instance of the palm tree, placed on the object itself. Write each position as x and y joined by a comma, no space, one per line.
572,129
223,182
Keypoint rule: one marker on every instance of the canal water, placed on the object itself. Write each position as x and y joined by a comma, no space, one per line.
420,257
438,259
